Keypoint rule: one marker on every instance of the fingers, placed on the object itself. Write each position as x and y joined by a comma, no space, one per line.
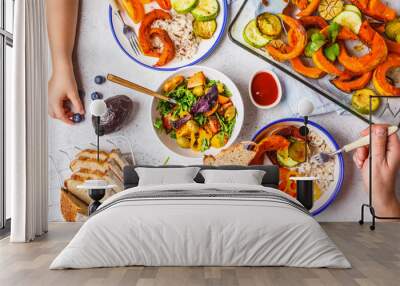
61,114
360,156
379,142
76,102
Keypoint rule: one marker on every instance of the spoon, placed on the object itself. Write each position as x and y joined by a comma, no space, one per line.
126,83
364,141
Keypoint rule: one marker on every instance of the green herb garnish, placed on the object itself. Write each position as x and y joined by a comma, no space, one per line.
332,52
158,124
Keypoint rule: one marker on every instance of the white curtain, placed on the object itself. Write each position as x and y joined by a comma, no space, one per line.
26,130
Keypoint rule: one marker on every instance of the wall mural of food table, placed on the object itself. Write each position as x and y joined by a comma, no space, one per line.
328,52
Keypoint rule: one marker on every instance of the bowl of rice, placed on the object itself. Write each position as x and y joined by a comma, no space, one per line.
329,176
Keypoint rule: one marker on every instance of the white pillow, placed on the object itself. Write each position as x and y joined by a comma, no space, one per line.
166,176
246,177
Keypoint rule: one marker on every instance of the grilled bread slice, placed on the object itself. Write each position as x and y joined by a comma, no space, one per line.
237,154
72,207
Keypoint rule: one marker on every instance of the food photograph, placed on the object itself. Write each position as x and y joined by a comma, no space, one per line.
200,142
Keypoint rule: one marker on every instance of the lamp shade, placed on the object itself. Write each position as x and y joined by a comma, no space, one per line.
98,107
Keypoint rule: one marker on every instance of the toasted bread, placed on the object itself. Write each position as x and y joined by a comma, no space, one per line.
71,206
237,154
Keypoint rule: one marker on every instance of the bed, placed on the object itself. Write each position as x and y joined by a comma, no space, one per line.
201,224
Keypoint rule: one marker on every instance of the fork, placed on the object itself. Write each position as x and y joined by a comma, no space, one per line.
127,30
325,157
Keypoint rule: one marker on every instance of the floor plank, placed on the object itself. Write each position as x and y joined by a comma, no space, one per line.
375,257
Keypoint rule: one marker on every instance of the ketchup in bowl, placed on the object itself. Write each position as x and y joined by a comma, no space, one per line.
265,90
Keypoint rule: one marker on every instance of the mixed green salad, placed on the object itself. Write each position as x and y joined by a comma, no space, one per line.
204,115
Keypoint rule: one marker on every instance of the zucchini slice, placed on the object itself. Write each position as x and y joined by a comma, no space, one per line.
392,29
253,36
349,7
204,29
184,6
269,24
350,20
206,10
360,101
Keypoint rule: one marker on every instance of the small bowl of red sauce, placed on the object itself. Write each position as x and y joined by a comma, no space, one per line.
265,89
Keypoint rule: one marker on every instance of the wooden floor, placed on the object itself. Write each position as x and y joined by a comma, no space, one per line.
375,257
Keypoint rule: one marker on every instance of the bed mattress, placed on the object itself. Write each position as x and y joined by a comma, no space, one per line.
201,225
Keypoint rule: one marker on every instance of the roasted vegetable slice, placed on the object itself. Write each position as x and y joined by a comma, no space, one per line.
134,9
184,6
361,101
269,24
172,83
352,8
164,4
329,9
206,10
392,29
168,51
144,30
381,83
353,84
299,34
310,9
327,66
253,36
313,21
350,20
297,151
198,79
375,9
204,29
378,51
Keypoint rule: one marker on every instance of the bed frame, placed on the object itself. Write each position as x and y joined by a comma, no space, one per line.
270,179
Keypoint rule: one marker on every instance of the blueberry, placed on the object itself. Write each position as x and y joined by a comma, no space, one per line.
96,95
77,118
99,79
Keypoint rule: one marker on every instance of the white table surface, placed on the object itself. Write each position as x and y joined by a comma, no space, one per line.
98,53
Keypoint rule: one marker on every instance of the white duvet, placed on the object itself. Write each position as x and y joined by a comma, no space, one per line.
202,231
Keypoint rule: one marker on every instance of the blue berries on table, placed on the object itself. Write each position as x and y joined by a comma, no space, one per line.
96,95
99,79
77,118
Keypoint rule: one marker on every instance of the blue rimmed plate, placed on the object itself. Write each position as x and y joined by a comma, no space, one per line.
331,193
205,49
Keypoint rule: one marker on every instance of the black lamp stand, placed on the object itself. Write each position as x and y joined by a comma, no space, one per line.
96,194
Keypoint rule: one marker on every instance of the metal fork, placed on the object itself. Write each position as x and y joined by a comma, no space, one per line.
127,30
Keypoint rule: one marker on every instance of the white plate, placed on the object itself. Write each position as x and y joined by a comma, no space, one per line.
236,98
206,47
329,195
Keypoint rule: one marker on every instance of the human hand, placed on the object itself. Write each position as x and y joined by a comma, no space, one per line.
64,98
385,166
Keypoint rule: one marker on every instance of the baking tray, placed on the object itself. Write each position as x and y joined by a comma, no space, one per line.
387,111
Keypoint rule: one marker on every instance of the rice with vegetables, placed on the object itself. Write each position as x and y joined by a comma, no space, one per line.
180,30
323,172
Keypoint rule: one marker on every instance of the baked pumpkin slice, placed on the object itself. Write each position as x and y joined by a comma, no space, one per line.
310,9
313,21
299,66
329,67
144,31
353,84
168,50
375,9
379,79
393,47
300,35
378,51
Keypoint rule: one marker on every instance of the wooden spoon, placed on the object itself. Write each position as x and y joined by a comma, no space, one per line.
139,88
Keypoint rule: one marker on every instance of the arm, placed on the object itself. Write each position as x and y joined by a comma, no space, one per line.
63,91
386,165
